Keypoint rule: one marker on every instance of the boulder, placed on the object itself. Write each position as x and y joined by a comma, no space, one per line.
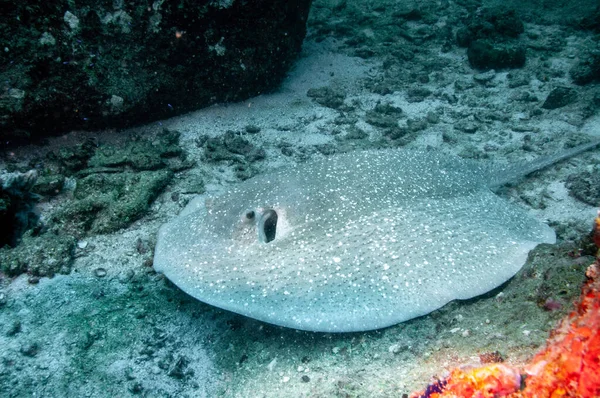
110,63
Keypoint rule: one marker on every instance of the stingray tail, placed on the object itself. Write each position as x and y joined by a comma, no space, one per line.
514,173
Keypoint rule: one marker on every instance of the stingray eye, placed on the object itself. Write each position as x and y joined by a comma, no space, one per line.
267,226
249,215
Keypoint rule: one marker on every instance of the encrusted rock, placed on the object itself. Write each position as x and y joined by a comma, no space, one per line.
585,186
43,255
89,64
559,97
17,205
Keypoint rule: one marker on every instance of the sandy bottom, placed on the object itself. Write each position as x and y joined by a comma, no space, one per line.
131,332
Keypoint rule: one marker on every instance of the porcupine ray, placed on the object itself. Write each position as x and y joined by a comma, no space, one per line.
353,242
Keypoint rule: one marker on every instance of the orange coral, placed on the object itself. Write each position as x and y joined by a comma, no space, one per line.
569,366
490,381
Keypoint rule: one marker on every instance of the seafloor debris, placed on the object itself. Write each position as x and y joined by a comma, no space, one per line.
569,366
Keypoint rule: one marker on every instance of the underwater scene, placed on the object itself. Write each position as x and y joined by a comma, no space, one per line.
300,198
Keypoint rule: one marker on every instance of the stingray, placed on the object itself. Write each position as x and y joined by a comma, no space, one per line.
355,241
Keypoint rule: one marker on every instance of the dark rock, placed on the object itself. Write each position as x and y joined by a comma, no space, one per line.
485,78
14,328
49,185
237,144
387,109
559,97
215,150
417,94
380,120
30,349
517,79
244,171
486,54
356,133
383,115
105,63
490,35
523,96
75,158
432,117
139,154
591,21
243,359
287,151
326,149
251,129
178,368
89,339
327,96
587,70
136,388
585,187
462,85
193,185
464,37
416,125
399,136
466,126
490,23
505,22
396,132
232,146
17,206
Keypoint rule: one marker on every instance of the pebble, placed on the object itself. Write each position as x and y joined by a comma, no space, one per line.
30,349
14,328
82,244
100,272
467,126
127,276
